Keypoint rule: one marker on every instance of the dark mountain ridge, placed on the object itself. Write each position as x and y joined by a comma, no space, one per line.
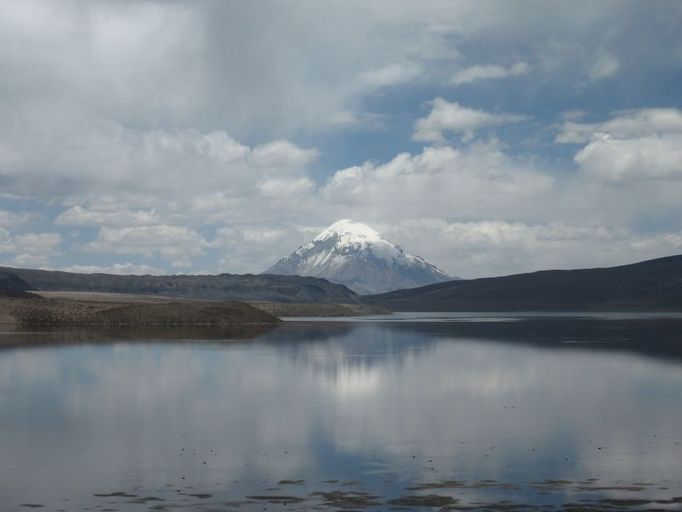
248,287
12,285
653,285
649,285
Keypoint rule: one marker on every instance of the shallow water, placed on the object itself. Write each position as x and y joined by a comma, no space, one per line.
418,412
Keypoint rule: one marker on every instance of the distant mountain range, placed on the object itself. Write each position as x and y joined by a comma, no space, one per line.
654,285
224,286
357,256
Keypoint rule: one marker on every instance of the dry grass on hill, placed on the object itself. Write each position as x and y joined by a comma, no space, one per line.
79,312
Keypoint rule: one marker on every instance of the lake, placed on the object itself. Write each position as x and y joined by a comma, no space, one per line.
407,412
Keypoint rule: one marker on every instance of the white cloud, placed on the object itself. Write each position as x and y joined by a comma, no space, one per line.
119,177
75,154
256,235
12,219
348,119
31,260
6,244
655,157
31,249
453,117
174,243
604,66
37,243
625,124
284,188
392,74
476,181
488,72
80,216
282,155
634,145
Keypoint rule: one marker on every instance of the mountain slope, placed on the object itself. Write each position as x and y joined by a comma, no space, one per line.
224,286
358,257
649,285
12,285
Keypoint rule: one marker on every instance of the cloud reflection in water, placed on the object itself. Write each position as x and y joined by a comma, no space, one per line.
330,402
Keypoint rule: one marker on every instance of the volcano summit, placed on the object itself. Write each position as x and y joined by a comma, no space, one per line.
357,256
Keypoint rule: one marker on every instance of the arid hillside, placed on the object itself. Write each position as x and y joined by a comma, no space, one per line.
230,287
54,312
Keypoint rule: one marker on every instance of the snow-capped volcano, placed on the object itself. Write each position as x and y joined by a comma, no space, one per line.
357,256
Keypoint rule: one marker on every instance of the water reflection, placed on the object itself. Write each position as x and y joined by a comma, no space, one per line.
382,408
54,336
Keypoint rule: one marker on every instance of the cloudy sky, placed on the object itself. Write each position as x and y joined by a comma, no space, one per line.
488,137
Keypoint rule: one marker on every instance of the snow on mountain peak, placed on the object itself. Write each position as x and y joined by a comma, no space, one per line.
350,232
356,255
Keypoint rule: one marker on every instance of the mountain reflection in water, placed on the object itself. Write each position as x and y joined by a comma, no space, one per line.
535,411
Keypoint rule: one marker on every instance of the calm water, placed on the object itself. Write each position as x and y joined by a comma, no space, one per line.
423,412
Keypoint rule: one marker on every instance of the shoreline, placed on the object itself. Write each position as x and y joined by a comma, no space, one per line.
101,309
